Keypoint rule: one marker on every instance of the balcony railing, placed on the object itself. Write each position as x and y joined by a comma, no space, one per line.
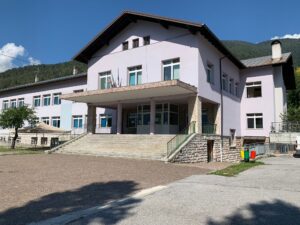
209,128
280,127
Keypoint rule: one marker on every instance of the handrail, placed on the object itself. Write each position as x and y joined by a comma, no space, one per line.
181,137
288,126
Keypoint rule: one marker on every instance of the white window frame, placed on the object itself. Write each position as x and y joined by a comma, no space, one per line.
46,120
105,75
135,70
13,101
47,96
38,97
210,78
225,80
55,118
170,63
21,100
254,84
254,116
105,116
77,117
56,95
5,104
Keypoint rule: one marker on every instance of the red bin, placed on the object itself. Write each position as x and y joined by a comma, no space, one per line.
253,155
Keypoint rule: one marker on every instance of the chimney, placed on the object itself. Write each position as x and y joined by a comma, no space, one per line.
36,79
276,49
75,71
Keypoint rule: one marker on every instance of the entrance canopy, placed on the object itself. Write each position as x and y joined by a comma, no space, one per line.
170,88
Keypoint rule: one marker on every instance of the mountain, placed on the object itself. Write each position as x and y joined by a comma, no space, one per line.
241,49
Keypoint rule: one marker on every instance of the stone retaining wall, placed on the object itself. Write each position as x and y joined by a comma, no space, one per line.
196,150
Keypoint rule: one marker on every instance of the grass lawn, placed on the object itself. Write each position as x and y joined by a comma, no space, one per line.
20,151
233,170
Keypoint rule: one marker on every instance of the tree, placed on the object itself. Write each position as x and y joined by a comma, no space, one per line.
15,118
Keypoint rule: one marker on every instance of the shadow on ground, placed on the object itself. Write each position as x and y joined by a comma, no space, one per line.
56,204
276,213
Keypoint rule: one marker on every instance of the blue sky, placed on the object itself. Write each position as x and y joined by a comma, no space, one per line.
52,31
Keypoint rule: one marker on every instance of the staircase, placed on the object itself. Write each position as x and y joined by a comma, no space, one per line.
124,145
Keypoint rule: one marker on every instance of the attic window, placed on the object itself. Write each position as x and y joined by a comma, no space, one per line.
135,43
125,45
147,40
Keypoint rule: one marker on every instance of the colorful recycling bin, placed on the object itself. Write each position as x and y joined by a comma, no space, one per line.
246,155
253,154
242,154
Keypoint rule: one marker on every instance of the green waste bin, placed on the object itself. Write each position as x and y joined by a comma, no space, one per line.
246,155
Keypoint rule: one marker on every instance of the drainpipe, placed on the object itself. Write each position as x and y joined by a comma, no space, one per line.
221,104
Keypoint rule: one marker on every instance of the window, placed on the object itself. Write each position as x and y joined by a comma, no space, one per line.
225,82
143,115
105,120
125,45
56,99
253,89
166,114
13,103
36,101
56,121
254,120
147,40
210,73
232,141
171,69
78,91
44,141
34,140
231,82
105,80
236,89
46,100
77,122
135,75
5,104
131,120
20,102
46,120
135,43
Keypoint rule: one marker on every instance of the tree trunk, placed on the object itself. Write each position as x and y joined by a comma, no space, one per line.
13,143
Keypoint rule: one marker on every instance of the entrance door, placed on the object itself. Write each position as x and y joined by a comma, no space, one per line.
210,147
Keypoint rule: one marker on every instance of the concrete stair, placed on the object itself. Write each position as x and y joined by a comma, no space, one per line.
124,145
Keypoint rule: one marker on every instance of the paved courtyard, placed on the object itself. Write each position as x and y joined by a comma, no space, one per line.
264,195
37,187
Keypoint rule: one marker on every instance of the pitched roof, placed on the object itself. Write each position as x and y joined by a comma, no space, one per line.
127,17
266,60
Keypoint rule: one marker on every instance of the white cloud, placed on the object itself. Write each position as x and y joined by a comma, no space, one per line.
290,36
8,54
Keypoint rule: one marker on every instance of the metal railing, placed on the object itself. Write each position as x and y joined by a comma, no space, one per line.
280,127
209,128
181,137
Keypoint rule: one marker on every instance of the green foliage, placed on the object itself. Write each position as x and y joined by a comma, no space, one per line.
26,75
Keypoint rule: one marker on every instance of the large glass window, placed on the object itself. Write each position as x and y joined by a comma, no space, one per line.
13,103
20,102
135,75
55,121
36,101
46,120
171,69
143,114
131,120
253,89
105,120
56,99
166,114
77,122
105,80
210,73
46,100
254,120
5,104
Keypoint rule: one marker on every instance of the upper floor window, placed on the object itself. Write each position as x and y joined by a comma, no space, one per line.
56,121
135,43
45,120
77,122
135,75
171,69
36,101
231,87
46,100
56,99
20,102
105,80
225,82
13,103
125,45
78,91
146,40
210,73
5,104
253,89
254,120
236,87
105,120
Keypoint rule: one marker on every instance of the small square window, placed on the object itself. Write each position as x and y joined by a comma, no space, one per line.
125,45
147,40
135,43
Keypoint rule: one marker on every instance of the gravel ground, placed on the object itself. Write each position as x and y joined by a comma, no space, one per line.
37,187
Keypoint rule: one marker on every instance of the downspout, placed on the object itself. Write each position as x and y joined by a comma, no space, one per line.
221,105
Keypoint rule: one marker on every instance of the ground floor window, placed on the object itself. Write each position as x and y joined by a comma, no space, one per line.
166,114
77,122
143,112
232,141
46,120
56,121
254,120
44,141
131,120
105,120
